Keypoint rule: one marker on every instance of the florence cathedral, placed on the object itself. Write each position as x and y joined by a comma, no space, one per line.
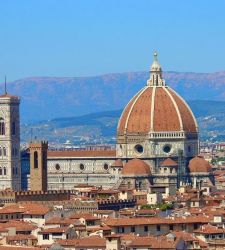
157,147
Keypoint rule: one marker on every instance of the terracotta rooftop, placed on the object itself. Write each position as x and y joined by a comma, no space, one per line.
35,209
86,216
155,220
152,243
20,226
61,221
18,237
31,209
88,242
11,209
53,230
136,167
209,229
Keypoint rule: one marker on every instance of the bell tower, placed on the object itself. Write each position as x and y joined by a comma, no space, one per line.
10,169
38,166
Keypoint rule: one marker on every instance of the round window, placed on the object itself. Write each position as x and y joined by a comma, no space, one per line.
57,166
139,148
106,166
81,166
167,148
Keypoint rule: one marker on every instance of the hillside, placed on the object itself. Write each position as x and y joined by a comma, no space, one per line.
45,98
101,127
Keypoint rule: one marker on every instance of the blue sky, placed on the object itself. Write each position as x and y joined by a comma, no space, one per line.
91,37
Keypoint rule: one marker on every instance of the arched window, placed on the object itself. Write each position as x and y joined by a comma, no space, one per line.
0,151
13,128
0,171
4,171
2,126
4,151
35,159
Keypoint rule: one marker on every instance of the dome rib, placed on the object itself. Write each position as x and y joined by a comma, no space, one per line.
176,107
187,116
163,112
152,108
123,118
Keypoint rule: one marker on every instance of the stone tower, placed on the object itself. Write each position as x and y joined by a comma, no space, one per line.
38,166
10,169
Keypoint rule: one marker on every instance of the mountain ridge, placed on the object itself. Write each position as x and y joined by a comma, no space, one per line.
101,126
50,97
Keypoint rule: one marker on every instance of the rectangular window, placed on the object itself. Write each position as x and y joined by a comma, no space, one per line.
171,227
146,228
45,236
120,230
195,225
132,230
158,228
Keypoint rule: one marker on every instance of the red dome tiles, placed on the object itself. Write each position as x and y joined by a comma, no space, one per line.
157,109
136,167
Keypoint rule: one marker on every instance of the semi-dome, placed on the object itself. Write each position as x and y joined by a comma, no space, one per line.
199,165
117,163
168,162
156,108
136,167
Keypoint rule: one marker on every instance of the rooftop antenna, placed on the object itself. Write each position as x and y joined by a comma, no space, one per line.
5,87
31,134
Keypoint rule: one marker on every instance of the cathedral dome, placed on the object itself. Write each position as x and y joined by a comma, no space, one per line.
199,165
136,167
156,108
